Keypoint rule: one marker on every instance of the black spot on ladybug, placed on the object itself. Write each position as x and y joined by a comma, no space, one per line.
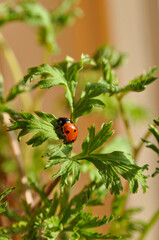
75,130
67,132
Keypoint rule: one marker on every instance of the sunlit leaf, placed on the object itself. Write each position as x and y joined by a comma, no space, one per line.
44,126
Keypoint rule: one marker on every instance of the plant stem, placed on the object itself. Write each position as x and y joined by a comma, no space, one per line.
148,226
14,68
139,147
11,59
46,56
18,157
126,123
49,187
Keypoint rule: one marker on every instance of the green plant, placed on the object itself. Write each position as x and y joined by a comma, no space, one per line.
63,216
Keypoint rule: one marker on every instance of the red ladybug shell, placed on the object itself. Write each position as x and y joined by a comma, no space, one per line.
70,131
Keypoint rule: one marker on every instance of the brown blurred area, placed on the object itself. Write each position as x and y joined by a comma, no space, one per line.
131,26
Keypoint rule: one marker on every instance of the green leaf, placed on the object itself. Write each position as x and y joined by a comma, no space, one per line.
139,84
3,205
75,236
13,114
77,203
48,23
58,155
35,186
44,126
94,141
84,224
4,237
151,145
85,220
6,192
43,72
110,53
156,172
19,88
65,14
126,223
111,164
109,74
88,99
71,69
52,228
69,166
64,74
33,14
16,228
93,235
58,151
153,129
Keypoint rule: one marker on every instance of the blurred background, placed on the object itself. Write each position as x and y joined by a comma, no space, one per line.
132,27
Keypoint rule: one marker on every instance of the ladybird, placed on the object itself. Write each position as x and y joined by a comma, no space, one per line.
69,129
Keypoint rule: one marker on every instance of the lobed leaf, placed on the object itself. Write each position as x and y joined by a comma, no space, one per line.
111,165
125,224
3,205
44,126
88,99
65,14
109,53
94,141
68,166
153,129
58,155
77,204
48,23
109,74
151,145
64,74
92,235
139,84
52,228
58,151
71,69
18,89
86,221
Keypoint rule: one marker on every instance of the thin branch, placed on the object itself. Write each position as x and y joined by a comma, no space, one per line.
148,226
139,147
126,123
11,59
49,188
18,157
14,68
